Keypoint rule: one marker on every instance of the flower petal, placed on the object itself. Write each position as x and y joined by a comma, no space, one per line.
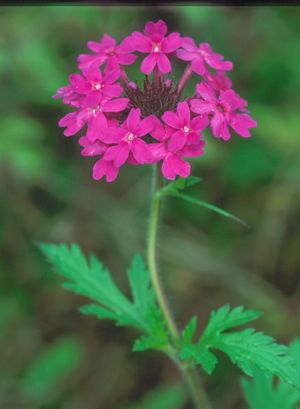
171,119
112,90
133,119
140,42
167,168
160,27
111,75
96,125
111,172
99,169
232,100
184,55
201,107
177,141
113,134
141,151
171,43
79,83
217,120
189,44
184,113
240,124
118,153
192,150
198,66
148,63
105,43
198,123
206,92
86,60
173,165
126,59
146,125
158,132
115,105
163,64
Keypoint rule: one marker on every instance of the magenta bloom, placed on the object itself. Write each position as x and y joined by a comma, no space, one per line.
124,123
182,126
172,162
154,43
218,81
105,168
202,56
107,51
74,121
95,86
128,139
223,113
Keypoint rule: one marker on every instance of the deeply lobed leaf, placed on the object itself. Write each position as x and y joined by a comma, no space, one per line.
247,348
88,277
261,392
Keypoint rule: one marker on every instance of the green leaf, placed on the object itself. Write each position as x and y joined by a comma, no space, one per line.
189,331
175,189
88,277
247,348
209,206
179,184
158,336
163,397
261,392
139,281
50,367
224,319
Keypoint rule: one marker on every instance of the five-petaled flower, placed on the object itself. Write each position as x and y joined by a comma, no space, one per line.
107,51
201,57
154,43
125,123
223,113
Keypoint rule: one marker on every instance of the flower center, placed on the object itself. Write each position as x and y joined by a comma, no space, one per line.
110,53
156,48
95,110
156,97
97,86
130,137
186,129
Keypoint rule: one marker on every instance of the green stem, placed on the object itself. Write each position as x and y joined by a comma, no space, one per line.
190,374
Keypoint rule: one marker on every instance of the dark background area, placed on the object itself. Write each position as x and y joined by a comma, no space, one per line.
51,356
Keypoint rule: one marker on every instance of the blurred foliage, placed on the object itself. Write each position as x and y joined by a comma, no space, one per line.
47,194
261,392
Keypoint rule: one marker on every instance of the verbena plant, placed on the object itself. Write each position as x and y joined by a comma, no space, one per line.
155,124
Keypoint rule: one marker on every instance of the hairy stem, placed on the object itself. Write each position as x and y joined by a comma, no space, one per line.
190,374
185,76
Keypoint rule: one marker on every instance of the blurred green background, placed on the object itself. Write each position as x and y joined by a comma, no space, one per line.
51,357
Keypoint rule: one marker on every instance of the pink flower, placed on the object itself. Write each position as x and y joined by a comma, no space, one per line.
95,148
106,51
126,122
218,81
172,162
128,139
183,127
154,43
94,86
202,55
69,96
74,121
105,168
223,113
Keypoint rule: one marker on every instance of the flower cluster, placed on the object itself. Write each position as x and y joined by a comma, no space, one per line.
126,123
